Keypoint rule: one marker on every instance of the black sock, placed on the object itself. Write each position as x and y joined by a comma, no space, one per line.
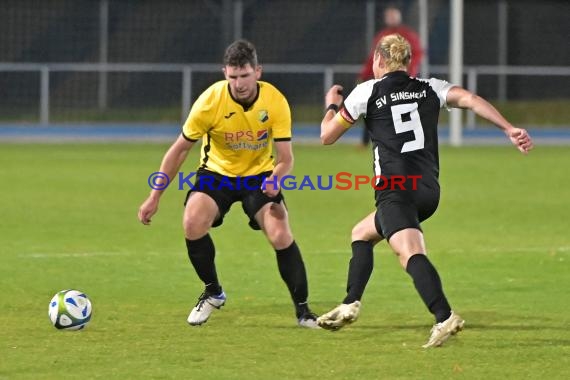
202,253
359,270
292,270
428,285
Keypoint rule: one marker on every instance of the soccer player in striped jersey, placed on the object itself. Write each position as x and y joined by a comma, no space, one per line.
401,114
240,120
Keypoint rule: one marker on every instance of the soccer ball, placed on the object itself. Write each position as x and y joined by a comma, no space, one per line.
69,310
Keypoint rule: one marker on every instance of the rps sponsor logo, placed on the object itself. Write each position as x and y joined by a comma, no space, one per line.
262,135
246,136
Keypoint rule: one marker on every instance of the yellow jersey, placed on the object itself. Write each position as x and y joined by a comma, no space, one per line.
238,141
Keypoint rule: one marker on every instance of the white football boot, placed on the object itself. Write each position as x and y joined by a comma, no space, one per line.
308,319
440,332
340,316
206,305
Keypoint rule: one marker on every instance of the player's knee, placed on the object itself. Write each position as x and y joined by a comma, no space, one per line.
359,233
280,238
194,228
405,257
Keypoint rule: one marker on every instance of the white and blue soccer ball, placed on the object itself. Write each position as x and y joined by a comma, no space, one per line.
70,310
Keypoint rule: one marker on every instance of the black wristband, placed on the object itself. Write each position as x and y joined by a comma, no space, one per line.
333,107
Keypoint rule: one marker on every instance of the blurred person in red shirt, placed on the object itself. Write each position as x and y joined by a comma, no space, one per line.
392,25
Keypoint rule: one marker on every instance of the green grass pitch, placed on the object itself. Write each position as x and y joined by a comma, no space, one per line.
500,241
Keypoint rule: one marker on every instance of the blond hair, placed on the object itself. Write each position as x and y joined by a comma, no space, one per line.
395,50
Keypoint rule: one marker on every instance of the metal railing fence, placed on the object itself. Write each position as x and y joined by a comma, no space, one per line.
187,71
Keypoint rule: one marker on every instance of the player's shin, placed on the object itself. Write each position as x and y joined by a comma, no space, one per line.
359,270
428,284
202,253
293,273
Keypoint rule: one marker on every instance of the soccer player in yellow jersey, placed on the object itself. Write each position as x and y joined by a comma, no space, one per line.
240,120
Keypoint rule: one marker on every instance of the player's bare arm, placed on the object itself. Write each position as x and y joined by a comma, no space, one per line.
283,166
331,128
170,165
461,98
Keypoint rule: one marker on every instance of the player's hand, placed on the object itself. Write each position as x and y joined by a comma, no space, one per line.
270,186
147,210
334,95
521,139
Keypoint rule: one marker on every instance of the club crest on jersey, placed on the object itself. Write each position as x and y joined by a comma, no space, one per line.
262,135
263,116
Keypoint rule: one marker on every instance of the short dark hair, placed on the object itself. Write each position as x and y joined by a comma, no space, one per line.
240,53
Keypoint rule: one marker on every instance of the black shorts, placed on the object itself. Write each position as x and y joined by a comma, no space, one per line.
225,191
397,210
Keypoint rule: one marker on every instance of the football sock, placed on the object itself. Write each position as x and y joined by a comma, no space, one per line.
359,270
202,253
428,284
302,308
292,270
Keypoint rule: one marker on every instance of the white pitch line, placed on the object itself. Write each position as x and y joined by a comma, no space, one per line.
561,249
41,255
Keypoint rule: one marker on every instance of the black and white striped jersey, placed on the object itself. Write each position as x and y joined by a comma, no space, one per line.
401,114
